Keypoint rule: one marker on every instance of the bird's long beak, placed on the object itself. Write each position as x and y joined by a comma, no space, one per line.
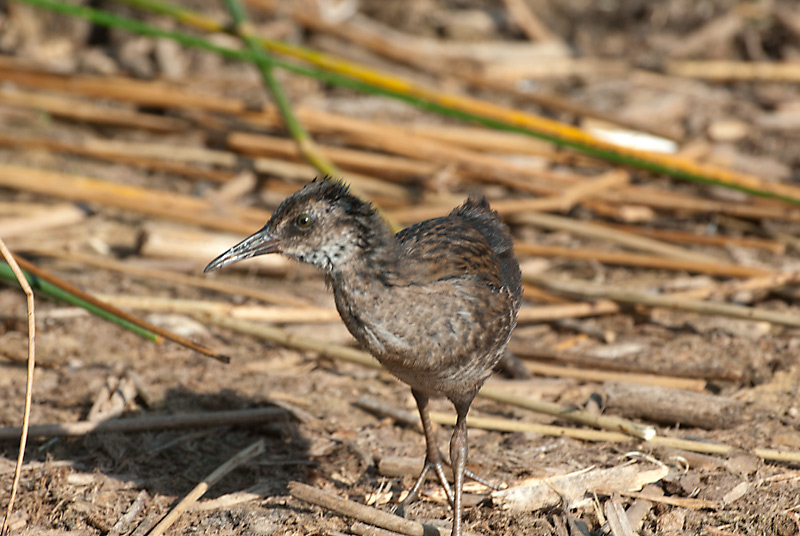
260,243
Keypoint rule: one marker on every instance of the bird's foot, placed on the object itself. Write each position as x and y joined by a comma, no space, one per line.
480,480
473,476
438,468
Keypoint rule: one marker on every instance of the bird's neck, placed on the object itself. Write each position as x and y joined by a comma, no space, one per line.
377,253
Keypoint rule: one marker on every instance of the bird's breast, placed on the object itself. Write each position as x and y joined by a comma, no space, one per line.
431,336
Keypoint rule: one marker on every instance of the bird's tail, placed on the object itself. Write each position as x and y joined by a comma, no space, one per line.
477,212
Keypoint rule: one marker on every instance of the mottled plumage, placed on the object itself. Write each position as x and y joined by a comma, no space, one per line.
435,303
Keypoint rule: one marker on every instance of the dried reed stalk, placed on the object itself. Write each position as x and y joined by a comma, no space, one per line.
90,112
657,441
199,490
586,290
296,342
730,71
150,423
54,217
78,293
359,511
683,237
275,315
596,375
222,287
728,288
147,201
26,412
646,261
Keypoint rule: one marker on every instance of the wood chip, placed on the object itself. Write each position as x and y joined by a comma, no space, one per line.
672,406
538,493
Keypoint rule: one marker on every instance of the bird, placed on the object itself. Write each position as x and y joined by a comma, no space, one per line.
434,303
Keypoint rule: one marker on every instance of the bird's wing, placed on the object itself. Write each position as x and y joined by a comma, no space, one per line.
445,248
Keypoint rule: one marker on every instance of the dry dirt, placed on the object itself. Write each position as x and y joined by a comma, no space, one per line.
84,485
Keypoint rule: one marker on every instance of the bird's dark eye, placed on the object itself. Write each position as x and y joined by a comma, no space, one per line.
303,221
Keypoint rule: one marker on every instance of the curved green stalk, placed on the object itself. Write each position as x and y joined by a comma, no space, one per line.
53,291
304,141
458,106
265,65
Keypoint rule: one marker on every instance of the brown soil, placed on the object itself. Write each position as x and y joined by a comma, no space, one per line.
85,485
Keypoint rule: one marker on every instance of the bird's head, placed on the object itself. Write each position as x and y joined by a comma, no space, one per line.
322,224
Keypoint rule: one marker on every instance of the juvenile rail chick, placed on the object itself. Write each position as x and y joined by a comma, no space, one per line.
434,303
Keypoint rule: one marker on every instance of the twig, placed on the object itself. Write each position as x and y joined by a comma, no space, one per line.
340,352
55,292
359,511
241,457
462,106
412,141
595,375
604,422
169,205
125,89
264,145
561,202
172,277
528,350
179,160
364,529
634,259
75,291
543,313
367,33
196,246
725,71
589,290
305,143
485,80
487,423
605,182
616,211
26,415
501,117
265,63
54,217
671,406
732,287
466,137
279,336
141,424
123,524
507,425
671,235
226,502
528,22
147,93
81,110
681,502
275,315
667,200
629,240
287,340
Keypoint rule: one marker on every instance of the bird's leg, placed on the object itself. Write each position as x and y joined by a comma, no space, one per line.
433,458
458,459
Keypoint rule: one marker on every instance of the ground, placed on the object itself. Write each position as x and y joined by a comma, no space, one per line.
86,484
